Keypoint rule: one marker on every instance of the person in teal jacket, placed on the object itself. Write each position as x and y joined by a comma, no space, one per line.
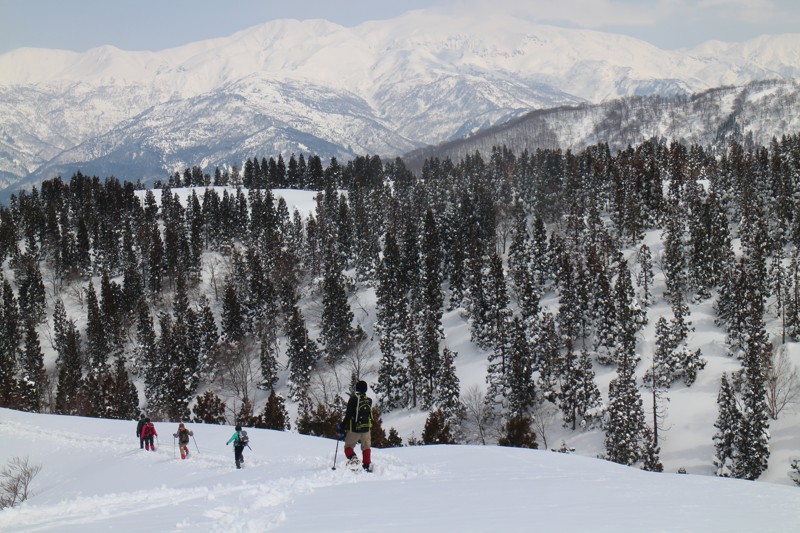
239,440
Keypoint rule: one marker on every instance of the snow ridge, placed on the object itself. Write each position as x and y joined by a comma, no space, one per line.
383,87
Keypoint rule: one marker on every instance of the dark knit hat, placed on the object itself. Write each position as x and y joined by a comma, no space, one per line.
361,387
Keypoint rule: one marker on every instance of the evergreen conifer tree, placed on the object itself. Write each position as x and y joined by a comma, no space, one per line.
122,399
337,334
70,371
301,353
9,346
651,449
625,424
97,345
207,337
31,294
580,399
232,315
518,433
448,388
729,419
645,277
430,324
437,429
392,318
33,378
275,415
209,409
751,442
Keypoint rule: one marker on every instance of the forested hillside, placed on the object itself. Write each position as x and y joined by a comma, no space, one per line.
207,299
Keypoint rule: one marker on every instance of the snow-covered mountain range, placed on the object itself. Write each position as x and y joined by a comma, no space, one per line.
383,87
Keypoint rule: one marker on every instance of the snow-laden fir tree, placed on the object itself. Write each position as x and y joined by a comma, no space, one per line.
729,419
579,399
448,388
545,347
751,456
30,293
650,459
122,399
520,390
207,337
232,315
97,346
628,315
184,366
674,257
301,354
392,319
9,346
487,325
70,371
644,278
625,417
540,265
431,301
32,380
144,348
413,362
337,333
268,360
519,252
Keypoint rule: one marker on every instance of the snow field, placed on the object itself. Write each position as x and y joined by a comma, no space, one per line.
95,478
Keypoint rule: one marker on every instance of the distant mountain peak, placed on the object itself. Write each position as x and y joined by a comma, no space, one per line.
384,86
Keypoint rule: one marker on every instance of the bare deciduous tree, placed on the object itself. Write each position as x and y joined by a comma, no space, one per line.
216,269
358,357
237,362
479,420
783,382
15,481
544,412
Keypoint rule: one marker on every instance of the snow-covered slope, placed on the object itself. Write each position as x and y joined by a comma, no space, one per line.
759,111
94,477
381,87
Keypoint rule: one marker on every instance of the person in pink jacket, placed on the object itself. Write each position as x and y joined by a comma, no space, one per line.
148,435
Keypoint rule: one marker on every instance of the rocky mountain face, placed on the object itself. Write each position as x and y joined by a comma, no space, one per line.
384,87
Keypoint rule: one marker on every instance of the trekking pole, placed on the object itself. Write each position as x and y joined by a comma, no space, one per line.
335,454
195,444
159,444
173,448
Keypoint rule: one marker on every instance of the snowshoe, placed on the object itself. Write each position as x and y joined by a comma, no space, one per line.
354,463
368,468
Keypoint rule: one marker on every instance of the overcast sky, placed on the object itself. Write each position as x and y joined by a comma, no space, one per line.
159,24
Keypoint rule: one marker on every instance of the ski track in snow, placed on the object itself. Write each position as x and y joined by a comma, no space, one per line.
262,505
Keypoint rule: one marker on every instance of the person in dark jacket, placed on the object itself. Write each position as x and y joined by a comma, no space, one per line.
239,440
148,435
139,427
183,435
357,427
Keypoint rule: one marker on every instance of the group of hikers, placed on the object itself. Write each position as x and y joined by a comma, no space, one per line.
355,428
146,432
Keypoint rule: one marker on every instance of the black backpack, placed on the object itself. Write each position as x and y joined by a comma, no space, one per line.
244,440
363,418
